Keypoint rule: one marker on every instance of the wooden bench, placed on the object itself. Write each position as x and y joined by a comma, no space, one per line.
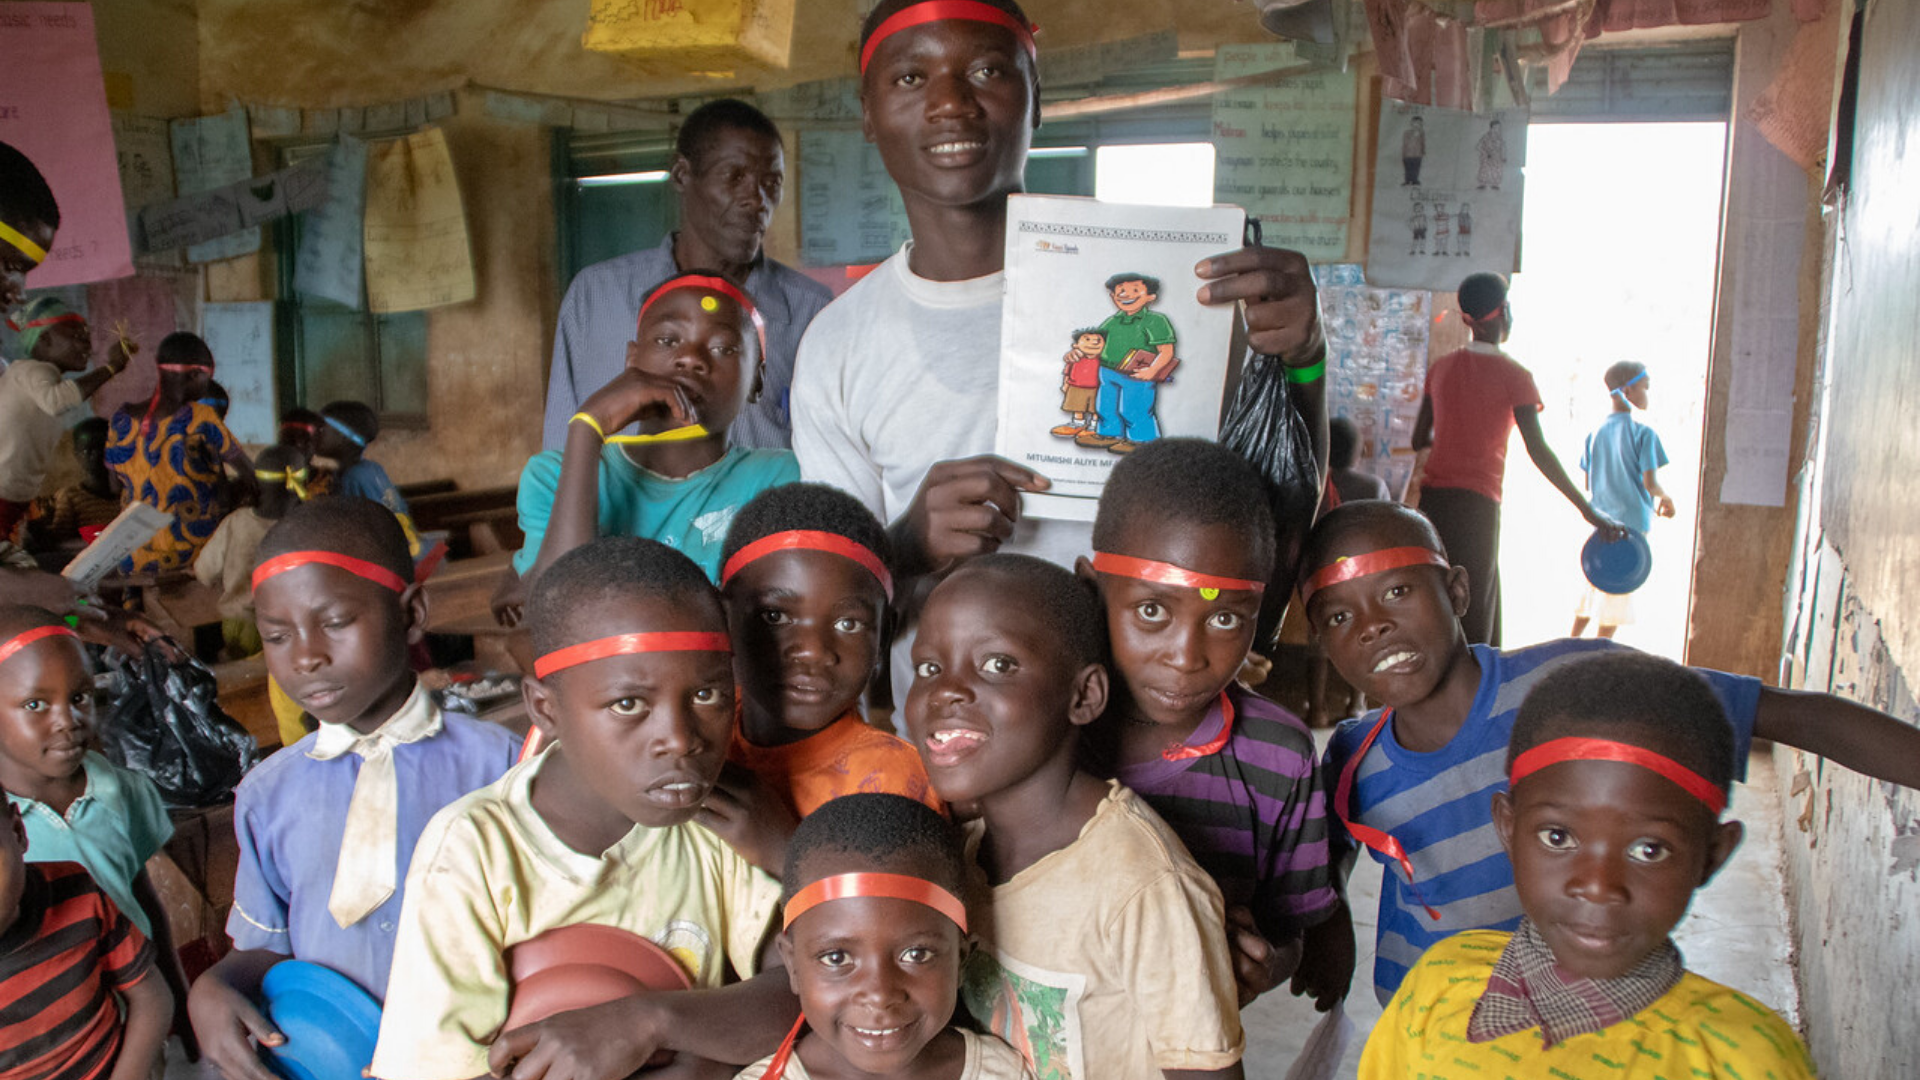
477,521
243,695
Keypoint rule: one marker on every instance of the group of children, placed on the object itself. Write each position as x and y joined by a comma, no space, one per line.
1145,846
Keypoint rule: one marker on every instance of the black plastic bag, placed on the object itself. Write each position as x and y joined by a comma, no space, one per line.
1263,426
162,720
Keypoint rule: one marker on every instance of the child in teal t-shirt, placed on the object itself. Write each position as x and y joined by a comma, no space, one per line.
695,362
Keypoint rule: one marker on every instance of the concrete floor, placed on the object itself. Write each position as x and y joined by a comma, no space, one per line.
1735,934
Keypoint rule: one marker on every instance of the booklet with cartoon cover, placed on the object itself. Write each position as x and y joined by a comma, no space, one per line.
1103,344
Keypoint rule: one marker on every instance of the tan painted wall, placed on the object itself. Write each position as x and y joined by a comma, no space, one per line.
150,55
486,359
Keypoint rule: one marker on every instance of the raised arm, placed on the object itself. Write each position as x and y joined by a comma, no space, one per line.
1858,736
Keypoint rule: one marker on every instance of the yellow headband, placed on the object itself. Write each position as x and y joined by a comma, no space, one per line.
27,247
294,479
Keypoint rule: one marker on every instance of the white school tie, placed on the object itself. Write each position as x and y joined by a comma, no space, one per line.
369,844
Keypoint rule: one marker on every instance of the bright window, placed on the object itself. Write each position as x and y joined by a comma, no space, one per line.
1161,174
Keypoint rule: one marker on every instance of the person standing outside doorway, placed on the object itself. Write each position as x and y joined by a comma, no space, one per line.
729,171
1475,397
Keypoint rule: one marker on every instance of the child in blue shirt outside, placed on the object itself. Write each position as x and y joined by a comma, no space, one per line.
1414,782
345,431
1621,459
695,361
327,826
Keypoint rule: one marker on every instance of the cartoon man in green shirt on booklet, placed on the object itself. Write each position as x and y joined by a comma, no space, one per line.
1136,359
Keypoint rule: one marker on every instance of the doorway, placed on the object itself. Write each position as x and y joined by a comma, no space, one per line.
1621,231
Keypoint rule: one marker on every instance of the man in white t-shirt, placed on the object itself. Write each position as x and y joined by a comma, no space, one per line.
893,396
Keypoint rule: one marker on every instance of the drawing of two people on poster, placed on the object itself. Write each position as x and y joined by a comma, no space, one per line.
1114,371
1456,196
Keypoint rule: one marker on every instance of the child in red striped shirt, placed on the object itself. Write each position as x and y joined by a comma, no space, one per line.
65,951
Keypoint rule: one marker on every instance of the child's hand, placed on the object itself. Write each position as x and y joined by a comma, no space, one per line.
602,1042
1665,507
1258,964
226,1021
1326,964
1283,311
751,818
1608,528
636,395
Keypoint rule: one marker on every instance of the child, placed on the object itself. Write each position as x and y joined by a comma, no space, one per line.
300,430
1620,460
1474,398
66,953
227,562
29,216
1080,382
91,503
806,585
634,684
1620,766
1345,483
346,429
174,454
1127,397
35,396
77,806
1105,950
326,827
695,362
1184,542
875,936
1380,595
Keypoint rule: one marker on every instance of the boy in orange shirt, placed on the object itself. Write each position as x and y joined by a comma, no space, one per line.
805,577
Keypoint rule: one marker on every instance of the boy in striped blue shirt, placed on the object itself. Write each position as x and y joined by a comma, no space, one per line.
1414,781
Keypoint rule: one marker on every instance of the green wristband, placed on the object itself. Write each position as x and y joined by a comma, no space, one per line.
1311,373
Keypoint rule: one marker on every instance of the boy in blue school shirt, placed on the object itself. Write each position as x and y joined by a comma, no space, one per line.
1622,458
695,362
327,826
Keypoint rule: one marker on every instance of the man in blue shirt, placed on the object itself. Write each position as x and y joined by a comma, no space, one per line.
728,169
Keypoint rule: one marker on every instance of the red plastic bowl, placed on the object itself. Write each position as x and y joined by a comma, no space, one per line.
577,967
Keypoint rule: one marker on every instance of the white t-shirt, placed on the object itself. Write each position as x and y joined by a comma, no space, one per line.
898,374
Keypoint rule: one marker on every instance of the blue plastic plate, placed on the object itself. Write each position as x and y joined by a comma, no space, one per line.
330,1023
1618,567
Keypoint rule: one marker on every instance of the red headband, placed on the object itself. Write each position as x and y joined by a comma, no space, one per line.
361,568
1169,574
626,644
1577,749
809,540
887,886
50,320
939,11
713,284
1348,567
27,637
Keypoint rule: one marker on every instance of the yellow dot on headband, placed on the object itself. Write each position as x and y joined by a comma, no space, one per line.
708,303
1209,594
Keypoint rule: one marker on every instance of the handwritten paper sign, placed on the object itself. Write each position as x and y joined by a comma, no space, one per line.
145,153
332,244
53,109
1285,152
241,339
211,153
415,226
203,218
850,210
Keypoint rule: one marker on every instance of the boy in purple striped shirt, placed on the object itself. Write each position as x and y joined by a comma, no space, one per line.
1184,542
